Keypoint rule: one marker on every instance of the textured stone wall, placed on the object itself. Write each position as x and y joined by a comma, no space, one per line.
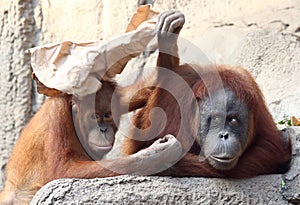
260,35
17,33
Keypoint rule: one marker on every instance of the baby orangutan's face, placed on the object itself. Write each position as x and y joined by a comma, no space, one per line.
94,123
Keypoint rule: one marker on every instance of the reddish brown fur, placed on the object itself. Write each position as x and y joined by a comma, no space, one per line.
48,148
267,152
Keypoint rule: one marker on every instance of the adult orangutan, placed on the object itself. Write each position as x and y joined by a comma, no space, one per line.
219,115
67,135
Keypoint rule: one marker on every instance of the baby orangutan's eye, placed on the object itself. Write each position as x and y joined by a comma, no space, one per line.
107,116
94,116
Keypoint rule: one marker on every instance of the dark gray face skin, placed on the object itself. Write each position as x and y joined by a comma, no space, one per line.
223,129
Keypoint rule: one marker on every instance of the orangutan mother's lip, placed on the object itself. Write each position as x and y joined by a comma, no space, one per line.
222,159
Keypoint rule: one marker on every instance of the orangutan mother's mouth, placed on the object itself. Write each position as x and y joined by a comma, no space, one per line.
223,159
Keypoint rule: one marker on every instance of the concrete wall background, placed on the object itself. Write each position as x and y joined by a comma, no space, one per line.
260,35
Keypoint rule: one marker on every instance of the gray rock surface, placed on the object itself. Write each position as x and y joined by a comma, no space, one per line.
265,189
162,190
291,190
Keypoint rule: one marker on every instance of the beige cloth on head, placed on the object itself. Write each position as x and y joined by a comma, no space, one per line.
75,68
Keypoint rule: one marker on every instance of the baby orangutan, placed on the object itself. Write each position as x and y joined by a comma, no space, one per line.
68,137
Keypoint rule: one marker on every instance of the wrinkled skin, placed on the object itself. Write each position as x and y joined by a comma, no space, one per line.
223,129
